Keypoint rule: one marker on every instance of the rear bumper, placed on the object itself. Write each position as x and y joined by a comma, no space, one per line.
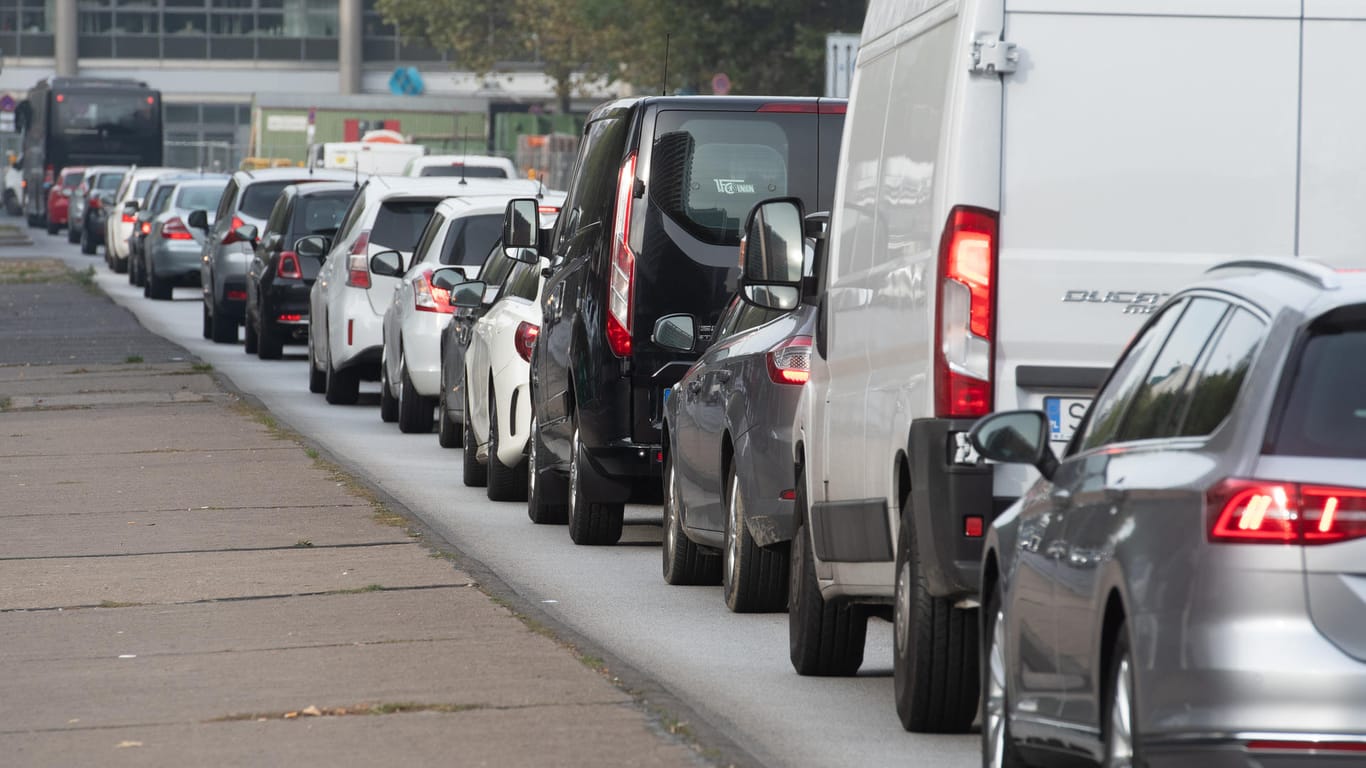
944,492
422,350
286,299
356,333
57,210
763,465
171,260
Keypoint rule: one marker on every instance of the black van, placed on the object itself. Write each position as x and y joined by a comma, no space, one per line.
659,196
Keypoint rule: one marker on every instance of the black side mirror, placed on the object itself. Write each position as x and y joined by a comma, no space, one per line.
773,255
387,263
130,208
521,224
313,246
1015,437
199,219
468,295
447,278
676,332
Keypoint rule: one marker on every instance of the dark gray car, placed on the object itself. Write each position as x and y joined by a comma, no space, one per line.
727,471
1185,584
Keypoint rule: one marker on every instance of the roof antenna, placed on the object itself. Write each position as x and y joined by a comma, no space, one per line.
664,87
463,150
540,185
355,166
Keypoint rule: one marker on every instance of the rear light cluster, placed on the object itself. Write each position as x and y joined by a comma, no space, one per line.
175,229
621,284
287,266
231,237
357,268
806,107
429,298
127,218
525,339
145,228
790,361
1262,512
965,323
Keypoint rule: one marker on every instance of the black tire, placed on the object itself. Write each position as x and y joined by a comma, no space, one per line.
540,507
341,387
447,431
753,578
935,650
998,747
120,266
475,475
269,345
591,523
317,377
73,233
53,228
87,242
222,330
824,638
208,324
414,410
1121,670
685,563
388,404
505,483
147,288
249,337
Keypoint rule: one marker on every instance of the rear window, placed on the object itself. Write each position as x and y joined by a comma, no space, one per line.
400,223
140,189
468,171
197,198
1325,407
108,182
72,179
259,198
470,238
320,213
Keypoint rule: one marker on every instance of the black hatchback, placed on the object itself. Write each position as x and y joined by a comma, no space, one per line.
658,198
278,276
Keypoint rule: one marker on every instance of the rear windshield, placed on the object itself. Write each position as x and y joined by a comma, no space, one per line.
321,213
468,171
1325,410
196,198
260,197
400,223
140,189
108,182
72,179
470,238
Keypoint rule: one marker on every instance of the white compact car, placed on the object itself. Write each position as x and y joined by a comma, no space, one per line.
348,300
462,166
460,234
118,224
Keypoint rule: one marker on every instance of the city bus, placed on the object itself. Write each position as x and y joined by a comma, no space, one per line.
84,121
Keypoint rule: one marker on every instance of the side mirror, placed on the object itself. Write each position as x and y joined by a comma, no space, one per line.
1015,437
387,263
313,246
447,278
521,223
130,208
468,295
246,233
772,254
676,332
523,255
273,240
199,219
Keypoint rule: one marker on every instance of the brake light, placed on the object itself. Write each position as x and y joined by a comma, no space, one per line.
525,339
429,298
621,285
96,202
175,229
231,237
965,322
287,266
127,218
1261,512
290,318
822,107
357,268
790,361
1280,745
146,228
49,173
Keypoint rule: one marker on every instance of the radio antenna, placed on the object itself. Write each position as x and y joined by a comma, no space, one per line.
540,185
664,87
463,150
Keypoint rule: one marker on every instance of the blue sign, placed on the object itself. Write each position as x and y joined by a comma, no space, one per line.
406,81
7,103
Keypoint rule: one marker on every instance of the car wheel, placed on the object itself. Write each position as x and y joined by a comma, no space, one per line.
685,563
447,431
590,522
505,483
73,234
414,410
539,507
222,330
341,387
87,242
934,665
1121,748
388,404
53,227
476,475
249,337
120,266
157,288
998,748
208,324
824,638
269,345
753,578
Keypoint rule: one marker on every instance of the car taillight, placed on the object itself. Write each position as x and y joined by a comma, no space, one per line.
287,266
525,339
127,218
145,228
49,173
430,298
231,237
790,361
623,276
96,202
1263,512
822,107
175,229
357,270
965,323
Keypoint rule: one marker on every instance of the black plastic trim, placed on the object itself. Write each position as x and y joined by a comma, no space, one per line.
851,531
1060,376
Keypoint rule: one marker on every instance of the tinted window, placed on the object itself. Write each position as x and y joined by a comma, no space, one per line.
160,197
1325,410
226,202
468,171
108,182
741,316
424,243
496,265
523,281
1102,420
593,189
259,198
140,189
1159,400
1214,388
198,197
400,223
71,179
470,238
320,214
103,115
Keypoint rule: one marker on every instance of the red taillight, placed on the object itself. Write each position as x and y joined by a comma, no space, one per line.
1286,745
357,268
96,202
965,322
1262,512
127,218
525,339
231,237
145,228
972,526
49,174
237,295
175,229
287,266
546,210
621,284
788,495
290,318
806,107
790,361
429,298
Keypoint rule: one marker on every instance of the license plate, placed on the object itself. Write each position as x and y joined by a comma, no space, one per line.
1064,415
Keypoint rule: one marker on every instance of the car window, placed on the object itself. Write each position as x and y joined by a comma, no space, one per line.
400,222
140,189
1325,404
351,219
1215,386
160,196
108,182
72,179
1160,398
468,171
259,198
592,191
741,316
424,243
198,197
469,238
523,281
496,265
1102,419
225,204
320,213
278,213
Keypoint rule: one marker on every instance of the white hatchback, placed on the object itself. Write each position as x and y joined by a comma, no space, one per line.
118,224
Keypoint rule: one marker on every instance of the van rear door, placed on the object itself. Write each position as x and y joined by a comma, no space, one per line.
1143,140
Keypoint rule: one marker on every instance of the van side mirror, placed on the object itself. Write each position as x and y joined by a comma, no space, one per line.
387,263
313,246
199,219
676,332
772,254
468,295
1015,437
521,224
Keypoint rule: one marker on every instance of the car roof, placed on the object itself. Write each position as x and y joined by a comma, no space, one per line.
297,173
1275,284
93,169
620,107
447,186
320,187
478,205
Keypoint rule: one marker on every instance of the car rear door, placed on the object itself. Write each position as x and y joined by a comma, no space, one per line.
398,224
1134,154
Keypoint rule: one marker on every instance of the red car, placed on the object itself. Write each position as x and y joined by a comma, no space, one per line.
59,196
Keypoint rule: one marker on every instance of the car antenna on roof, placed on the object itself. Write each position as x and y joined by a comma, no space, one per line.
356,167
463,150
540,185
664,86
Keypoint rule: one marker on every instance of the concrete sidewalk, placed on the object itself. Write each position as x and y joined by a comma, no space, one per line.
182,583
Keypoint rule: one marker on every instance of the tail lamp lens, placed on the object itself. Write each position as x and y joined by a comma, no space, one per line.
357,268
127,218
966,314
790,361
175,229
231,237
621,284
429,298
145,228
1263,512
287,266
525,339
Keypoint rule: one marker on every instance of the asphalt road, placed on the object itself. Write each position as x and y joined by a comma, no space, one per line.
731,669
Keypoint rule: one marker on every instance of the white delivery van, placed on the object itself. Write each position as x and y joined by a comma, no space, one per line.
1022,181
369,157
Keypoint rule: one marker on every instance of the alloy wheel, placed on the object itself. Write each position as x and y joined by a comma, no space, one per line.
734,513
994,712
671,510
531,462
574,474
902,613
1120,747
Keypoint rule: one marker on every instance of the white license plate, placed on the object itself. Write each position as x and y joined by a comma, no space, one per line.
1064,415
